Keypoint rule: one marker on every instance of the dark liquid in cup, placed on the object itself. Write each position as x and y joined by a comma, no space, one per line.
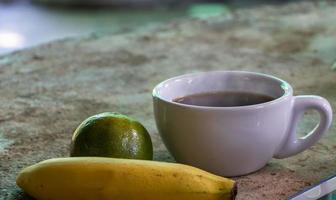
224,99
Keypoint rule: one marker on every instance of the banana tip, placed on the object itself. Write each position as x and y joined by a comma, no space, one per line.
234,191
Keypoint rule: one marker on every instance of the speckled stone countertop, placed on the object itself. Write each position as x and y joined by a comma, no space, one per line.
45,92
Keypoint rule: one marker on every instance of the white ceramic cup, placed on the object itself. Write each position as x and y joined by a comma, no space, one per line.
233,141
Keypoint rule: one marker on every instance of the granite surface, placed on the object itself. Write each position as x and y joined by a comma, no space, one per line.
45,92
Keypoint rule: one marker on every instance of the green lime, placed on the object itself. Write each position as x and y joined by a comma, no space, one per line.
112,135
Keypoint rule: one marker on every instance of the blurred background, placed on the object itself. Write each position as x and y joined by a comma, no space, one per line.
25,23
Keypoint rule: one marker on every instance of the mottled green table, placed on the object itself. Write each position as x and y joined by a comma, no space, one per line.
45,92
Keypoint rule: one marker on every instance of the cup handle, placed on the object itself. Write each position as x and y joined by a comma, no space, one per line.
293,145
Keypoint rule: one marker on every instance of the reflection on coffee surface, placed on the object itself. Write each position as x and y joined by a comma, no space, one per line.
224,99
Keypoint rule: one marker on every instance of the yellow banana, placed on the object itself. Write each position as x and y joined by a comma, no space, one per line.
93,178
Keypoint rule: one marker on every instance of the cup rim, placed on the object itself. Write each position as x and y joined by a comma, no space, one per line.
287,88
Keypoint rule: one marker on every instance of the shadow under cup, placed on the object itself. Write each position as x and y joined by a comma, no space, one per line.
228,141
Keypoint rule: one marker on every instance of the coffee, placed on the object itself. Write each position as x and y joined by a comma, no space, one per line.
224,99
